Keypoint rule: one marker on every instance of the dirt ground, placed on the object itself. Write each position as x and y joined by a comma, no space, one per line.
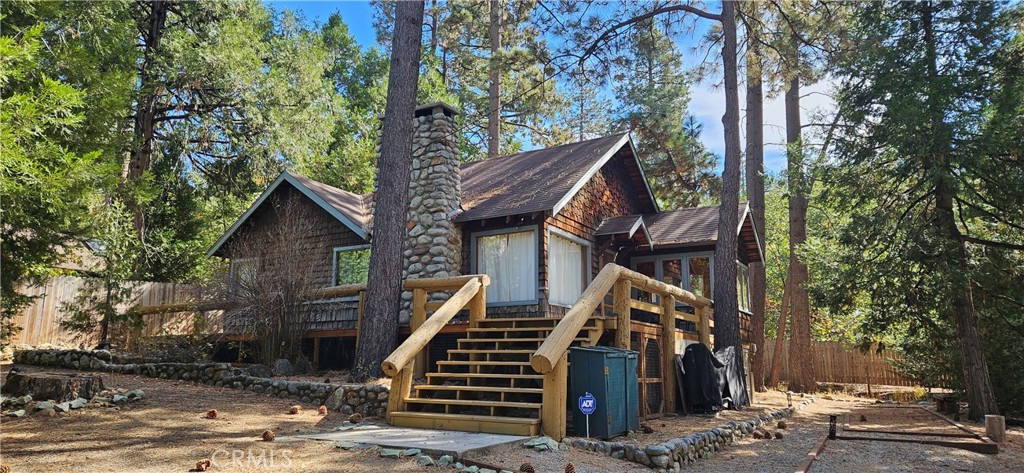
167,431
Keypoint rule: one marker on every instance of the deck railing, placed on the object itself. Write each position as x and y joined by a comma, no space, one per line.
409,357
550,359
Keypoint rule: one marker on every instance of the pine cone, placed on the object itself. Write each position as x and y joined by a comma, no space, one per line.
647,429
5,469
779,434
202,465
781,424
322,410
294,409
355,418
863,418
211,414
758,434
268,436
570,468
527,468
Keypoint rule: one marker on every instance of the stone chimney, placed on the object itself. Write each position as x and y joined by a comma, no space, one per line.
433,244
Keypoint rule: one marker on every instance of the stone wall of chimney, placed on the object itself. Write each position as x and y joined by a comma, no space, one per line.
433,245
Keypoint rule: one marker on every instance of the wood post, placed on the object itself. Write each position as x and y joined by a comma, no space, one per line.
622,312
401,385
668,351
359,314
418,339
419,315
478,307
552,411
316,353
995,428
705,325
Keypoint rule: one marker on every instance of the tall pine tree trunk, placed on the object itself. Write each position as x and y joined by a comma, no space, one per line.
780,336
981,397
151,25
727,324
801,364
755,195
494,91
379,330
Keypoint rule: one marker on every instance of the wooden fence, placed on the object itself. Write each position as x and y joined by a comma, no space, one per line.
40,321
836,362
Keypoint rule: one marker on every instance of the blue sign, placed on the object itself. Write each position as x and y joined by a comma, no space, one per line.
588,404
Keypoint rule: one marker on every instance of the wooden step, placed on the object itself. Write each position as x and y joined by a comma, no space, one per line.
490,351
510,329
507,340
467,423
484,375
486,389
475,403
483,363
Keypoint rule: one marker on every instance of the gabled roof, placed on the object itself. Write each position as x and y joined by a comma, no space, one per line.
350,209
698,226
543,180
626,227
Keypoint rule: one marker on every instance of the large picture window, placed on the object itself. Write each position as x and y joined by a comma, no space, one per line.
567,263
510,259
351,265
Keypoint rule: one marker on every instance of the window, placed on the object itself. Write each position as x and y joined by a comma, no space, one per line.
242,273
510,259
743,287
700,276
351,264
567,268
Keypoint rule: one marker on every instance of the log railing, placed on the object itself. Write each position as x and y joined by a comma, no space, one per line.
550,359
409,357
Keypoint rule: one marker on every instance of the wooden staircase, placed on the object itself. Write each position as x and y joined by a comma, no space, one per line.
487,383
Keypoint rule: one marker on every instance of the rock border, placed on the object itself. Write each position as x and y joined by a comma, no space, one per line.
370,400
672,454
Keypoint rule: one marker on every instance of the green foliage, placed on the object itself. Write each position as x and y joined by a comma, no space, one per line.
915,133
655,93
45,186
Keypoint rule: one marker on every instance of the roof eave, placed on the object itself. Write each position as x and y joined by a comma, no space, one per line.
590,174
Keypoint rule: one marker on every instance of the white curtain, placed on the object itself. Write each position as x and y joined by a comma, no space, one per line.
565,270
510,259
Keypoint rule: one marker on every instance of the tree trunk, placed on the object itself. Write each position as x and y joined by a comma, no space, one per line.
780,336
141,158
494,91
379,330
727,323
801,366
981,397
57,387
755,195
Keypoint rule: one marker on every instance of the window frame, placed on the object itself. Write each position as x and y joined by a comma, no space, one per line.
474,260
233,270
746,292
685,261
586,261
334,265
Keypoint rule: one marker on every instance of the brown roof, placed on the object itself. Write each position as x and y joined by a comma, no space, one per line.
354,206
698,226
533,181
621,224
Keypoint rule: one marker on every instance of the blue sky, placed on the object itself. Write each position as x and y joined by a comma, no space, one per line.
707,102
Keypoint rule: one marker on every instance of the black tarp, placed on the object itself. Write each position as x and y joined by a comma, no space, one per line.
707,381
730,378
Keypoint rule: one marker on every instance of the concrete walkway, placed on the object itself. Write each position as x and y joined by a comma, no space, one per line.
439,442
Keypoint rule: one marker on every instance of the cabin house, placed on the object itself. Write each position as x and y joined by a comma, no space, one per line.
543,226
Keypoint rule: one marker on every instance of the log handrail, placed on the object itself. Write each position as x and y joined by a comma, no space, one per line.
412,346
557,342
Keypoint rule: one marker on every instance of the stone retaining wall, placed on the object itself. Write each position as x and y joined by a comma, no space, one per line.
673,454
368,400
